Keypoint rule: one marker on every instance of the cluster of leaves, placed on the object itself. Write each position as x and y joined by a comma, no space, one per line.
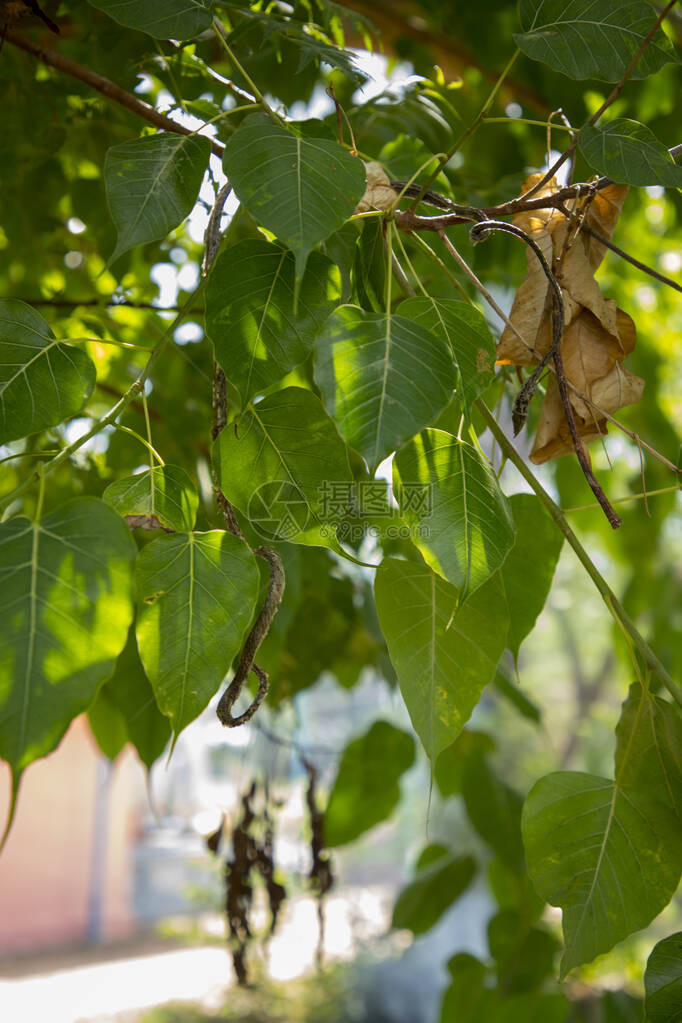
122,590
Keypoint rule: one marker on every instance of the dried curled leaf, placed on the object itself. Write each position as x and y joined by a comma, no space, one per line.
597,334
378,194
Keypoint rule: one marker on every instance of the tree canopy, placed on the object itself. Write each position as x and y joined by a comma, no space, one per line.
303,375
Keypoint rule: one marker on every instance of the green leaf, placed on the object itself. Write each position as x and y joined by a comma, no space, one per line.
608,856
449,767
276,467
467,1000
629,153
382,378
423,901
534,1008
163,19
529,568
518,699
444,654
43,381
494,809
129,691
464,329
584,39
649,748
301,189
369,269
367,790
65,602
152,184
449,493
250,314
197,593
524,955
165,492
107,725
663,981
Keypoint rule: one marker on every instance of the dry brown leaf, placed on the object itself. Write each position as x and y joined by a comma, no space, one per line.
602,217
531,302
378,194
597,335
553,438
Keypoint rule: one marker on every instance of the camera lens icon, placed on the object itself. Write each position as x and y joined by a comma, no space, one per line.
278,510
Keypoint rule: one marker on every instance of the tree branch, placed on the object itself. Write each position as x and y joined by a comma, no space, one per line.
103,85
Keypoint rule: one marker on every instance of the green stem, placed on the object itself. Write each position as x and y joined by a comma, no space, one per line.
150,448
471,129
616,609
524,120
622,500
220,32
107,420
434,257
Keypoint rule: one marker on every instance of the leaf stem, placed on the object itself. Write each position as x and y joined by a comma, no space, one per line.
445,159
617,610
622,500
219,30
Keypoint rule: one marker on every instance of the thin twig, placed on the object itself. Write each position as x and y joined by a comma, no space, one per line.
485,294
480,117
615,607
631,259
253,642
105,86
212,240
466,269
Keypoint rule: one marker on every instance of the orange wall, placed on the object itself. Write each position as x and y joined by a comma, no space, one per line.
45,867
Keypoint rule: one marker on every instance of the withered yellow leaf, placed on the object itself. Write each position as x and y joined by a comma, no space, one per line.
597,334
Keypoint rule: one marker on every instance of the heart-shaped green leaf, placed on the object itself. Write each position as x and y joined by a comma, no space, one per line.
163,19
663,981
586,39
607,855
628,152
107,725
464,329
250,314
281,465
43,381
367,788
494,809
165,493
444,653
529,567
65,602
383,378
649,748
423,901
152,184
197,593
301,189
129,692
448,493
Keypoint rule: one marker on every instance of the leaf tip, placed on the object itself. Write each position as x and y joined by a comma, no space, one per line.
16,781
